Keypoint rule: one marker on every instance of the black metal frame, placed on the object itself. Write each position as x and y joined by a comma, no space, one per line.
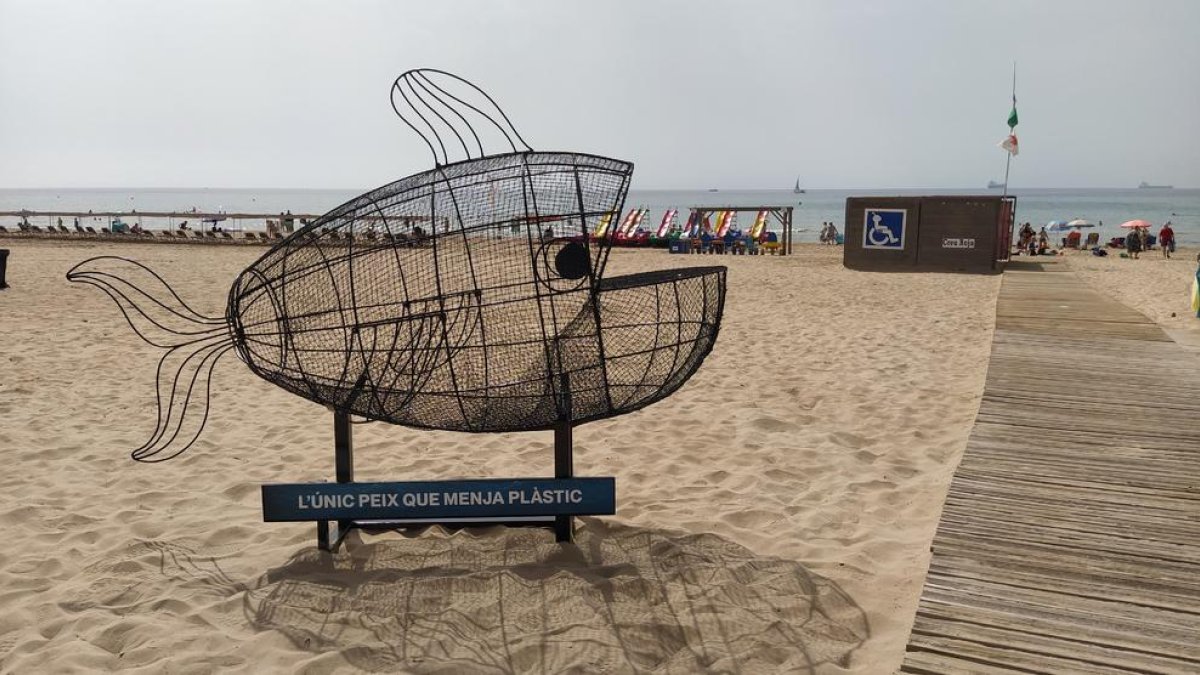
470,297
330,538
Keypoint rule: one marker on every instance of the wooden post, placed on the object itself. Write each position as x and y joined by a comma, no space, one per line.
788,216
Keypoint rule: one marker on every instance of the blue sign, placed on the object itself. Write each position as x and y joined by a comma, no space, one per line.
515,497
884,228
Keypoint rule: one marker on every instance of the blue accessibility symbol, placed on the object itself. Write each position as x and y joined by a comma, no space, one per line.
884,228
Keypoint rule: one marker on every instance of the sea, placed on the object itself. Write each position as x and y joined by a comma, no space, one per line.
1106,207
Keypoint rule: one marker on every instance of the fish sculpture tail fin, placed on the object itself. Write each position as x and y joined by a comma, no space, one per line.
194,343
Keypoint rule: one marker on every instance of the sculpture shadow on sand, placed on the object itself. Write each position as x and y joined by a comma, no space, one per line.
623,599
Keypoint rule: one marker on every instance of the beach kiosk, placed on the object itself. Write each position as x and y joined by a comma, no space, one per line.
935,233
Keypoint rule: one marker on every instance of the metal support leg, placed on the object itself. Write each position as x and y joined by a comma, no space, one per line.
323,535
343,459
564,467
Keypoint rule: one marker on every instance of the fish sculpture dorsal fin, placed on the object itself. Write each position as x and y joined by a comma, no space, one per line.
451,114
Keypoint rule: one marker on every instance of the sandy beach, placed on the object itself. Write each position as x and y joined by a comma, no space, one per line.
1159,288
774,515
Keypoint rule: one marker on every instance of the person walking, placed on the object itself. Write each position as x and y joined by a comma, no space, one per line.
1133,243
1166,240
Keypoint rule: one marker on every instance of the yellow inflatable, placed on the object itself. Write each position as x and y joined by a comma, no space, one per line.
1196,293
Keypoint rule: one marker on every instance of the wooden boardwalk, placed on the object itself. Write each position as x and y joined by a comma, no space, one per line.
1070,539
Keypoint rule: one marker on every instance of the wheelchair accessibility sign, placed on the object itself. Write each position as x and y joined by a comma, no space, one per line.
884,228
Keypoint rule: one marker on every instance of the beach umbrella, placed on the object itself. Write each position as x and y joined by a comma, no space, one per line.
1058,225
1080,222
1137,223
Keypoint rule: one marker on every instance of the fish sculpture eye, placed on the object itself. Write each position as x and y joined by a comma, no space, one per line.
571,261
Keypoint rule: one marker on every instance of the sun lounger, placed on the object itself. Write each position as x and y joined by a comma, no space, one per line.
3,229
89,230
226,235
63,229
250,236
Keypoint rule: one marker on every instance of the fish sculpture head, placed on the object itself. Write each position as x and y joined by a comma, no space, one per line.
469,297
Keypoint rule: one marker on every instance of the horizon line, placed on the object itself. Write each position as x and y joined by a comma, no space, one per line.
639,189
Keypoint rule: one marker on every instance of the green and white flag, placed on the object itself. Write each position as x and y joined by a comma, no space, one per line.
1009,144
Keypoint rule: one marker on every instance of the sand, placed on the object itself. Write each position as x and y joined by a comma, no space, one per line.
774,515
1159,288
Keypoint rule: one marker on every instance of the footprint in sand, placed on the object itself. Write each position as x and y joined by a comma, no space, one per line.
772,425
849,440
866,456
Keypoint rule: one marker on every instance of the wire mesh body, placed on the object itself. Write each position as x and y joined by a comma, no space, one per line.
471,298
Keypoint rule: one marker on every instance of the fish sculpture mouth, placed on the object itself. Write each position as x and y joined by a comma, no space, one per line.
469,297
654,330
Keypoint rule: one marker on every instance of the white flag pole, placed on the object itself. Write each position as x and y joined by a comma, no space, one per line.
1008,161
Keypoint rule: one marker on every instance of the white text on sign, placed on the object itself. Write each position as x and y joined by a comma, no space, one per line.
417,499
951,242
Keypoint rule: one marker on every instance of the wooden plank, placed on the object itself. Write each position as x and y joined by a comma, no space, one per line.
975,655
1070,536
1117,649
1082,440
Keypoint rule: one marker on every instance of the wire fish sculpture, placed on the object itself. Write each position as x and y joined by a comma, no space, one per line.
469,297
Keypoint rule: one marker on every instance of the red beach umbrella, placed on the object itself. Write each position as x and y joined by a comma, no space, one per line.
1137,223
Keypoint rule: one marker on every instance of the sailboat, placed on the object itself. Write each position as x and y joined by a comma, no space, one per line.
798,190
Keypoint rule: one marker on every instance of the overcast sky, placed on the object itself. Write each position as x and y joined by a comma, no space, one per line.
697,94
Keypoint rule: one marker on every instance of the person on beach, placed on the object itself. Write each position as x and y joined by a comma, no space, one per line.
1133,243
824,232
833,234
1026,234
1166,240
